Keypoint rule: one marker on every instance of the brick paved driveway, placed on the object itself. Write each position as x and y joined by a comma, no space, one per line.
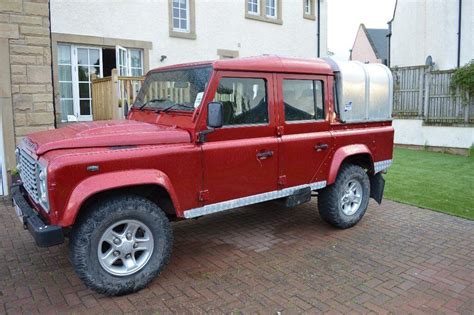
268,259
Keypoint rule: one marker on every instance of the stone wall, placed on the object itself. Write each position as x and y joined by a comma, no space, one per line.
26,90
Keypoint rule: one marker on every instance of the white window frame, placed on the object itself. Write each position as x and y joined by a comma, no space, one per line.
70,47
130,67
257,2
75,78
308,10
268,5
188,19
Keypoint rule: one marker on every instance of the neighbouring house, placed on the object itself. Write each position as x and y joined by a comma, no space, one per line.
50,49
370,45
427,41
136,36
443,30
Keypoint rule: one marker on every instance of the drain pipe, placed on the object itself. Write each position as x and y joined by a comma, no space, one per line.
319,28
459,33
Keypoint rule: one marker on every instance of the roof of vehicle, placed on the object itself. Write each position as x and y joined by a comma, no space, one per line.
265,63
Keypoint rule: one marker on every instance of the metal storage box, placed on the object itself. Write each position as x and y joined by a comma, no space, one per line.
364,91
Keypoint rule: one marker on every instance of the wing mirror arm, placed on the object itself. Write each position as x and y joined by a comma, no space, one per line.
215,119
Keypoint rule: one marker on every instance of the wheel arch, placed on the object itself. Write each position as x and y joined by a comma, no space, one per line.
358,154
151,184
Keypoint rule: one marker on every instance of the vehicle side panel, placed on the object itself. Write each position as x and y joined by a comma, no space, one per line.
180,163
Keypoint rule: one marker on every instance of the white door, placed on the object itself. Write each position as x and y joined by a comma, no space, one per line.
121,57
88,61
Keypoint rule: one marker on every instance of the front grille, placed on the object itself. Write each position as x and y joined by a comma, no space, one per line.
28,174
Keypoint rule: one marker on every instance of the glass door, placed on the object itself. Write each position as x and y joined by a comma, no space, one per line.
121,60
88,61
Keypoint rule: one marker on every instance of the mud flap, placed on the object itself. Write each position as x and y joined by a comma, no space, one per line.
298,197
377,185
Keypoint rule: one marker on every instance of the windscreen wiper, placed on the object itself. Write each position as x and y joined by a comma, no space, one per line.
152,101
174,105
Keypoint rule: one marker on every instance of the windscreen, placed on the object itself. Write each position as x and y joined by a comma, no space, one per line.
181,89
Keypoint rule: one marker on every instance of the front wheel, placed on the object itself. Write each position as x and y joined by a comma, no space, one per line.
120,245
344,203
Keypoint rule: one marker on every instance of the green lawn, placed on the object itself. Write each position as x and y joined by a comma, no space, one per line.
437,181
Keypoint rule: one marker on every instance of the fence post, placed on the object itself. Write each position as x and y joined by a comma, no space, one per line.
421,88
115,95
426,100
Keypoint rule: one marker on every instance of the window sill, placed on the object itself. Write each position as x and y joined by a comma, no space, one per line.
309,17
260,18
175,34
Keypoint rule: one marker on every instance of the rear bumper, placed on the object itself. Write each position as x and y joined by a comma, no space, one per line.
44,235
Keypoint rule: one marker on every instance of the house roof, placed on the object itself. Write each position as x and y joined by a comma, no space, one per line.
266,63
378,40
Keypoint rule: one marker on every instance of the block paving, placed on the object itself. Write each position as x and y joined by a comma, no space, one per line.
267,259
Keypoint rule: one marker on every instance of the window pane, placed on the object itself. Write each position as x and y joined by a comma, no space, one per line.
252,6
94,57
64,73
85,107
64,54
67,108
137,72
65,90
83,73
84,90
244,100
82,57
318,85
136,58
298,96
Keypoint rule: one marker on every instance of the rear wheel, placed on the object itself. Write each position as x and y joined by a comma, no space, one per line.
344,203
121,245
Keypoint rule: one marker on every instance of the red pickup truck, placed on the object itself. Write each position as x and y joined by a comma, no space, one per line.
203,138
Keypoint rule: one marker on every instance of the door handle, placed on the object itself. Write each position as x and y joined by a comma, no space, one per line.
263,155
321,146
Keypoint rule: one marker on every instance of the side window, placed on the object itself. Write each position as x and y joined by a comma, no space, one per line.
303,100
244,100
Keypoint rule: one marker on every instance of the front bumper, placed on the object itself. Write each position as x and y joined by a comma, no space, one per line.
44,235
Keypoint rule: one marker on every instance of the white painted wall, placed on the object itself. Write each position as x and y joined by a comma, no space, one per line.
412,132
220,24
429,27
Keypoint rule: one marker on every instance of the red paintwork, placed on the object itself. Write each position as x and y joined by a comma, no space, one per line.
162,149
105,134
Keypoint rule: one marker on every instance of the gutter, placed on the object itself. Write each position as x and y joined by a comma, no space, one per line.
389,35
459,32
319,29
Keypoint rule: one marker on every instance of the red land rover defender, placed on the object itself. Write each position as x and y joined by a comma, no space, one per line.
202,138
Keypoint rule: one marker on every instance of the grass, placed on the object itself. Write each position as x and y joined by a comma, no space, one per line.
437,181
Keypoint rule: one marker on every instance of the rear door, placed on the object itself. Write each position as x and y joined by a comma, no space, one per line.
241,158
304,128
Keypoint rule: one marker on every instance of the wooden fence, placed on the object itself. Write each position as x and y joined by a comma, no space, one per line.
112,96
420,92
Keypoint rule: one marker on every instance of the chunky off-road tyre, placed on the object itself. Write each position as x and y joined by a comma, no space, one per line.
344,203
120,244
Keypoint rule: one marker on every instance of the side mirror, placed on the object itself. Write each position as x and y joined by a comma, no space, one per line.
215,115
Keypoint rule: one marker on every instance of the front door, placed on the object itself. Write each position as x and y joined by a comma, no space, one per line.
306,140
241,158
